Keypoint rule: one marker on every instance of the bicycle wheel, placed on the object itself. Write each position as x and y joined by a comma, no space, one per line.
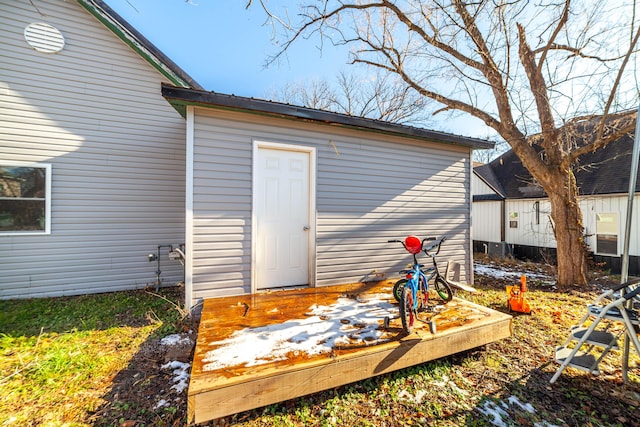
407,315
397,289
443,289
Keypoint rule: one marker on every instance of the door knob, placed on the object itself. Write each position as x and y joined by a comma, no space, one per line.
305,228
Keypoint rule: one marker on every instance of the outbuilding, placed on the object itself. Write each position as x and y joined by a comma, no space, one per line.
99,173
279,196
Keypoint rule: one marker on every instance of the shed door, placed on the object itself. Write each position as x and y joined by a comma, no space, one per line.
281,197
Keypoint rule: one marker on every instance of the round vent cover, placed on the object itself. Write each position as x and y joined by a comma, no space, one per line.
44,37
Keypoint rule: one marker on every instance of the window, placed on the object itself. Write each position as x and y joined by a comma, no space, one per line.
25,198
513,219
607,233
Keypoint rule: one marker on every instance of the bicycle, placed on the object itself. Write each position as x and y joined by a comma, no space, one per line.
412,292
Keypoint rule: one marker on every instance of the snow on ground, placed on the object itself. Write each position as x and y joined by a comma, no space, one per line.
501,273
180,370
180,378
161,404
497,415
175,339
348,321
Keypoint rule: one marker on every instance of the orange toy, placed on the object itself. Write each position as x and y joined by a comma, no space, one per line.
517,301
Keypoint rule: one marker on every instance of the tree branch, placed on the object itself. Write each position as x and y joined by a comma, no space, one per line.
614,89
618,126
563,20
538,88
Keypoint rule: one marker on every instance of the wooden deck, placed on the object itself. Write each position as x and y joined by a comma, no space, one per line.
254,350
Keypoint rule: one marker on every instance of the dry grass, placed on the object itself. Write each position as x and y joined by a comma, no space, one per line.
92,361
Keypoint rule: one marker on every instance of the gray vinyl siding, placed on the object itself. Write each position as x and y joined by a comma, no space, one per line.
94,112
221,209
374,188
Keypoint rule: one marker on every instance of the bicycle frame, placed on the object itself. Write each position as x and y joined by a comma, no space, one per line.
413,280
407,291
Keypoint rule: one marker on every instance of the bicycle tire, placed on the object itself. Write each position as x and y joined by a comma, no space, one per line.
407,314
443,289
397,289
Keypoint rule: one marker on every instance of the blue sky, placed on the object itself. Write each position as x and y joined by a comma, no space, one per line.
224,47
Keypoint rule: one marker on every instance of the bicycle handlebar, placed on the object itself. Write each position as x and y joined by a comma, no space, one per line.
435,243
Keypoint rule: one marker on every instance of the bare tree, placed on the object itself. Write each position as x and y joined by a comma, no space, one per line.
532,71
485,156
381,96
315,94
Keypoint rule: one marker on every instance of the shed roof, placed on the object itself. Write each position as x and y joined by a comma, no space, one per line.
605,171
181,97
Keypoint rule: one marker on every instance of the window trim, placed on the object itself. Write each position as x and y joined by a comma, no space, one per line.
617,233
513,219
47,201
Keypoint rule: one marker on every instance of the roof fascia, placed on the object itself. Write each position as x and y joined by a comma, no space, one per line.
117,25
181,97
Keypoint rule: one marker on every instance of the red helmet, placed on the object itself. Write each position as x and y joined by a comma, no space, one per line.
413,244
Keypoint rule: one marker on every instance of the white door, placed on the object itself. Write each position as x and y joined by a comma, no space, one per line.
281,211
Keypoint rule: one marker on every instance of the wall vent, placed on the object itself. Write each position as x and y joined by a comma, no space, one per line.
44,38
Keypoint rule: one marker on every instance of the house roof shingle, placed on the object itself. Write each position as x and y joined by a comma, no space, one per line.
605,171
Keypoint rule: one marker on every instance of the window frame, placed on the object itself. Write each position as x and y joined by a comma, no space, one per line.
47,198
513,219
607,233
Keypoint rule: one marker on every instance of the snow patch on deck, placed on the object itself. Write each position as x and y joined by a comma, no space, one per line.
347,322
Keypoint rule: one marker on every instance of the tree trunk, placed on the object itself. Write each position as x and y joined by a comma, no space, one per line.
568,229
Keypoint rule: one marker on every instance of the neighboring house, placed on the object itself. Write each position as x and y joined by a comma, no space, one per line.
264,195
512,214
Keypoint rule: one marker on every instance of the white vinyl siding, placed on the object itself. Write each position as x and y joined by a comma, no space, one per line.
94,112
540,234
534,223
479,187
487,219
369,188
593,206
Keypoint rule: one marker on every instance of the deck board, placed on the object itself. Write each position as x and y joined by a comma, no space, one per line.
461,325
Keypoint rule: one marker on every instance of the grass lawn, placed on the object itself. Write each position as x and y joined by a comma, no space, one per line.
95,360
58,356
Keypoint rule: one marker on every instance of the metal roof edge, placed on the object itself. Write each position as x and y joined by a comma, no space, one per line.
179,97
140,44
487,197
